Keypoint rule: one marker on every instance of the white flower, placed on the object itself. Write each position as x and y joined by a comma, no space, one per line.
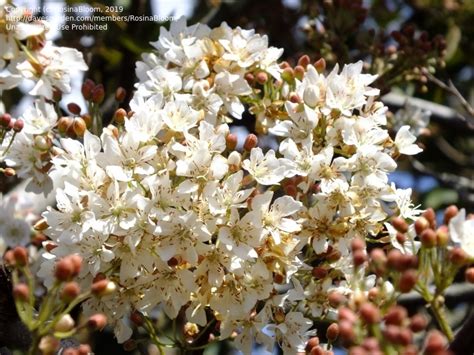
40,118
15,232
300,125
179,116
405,142
462,232
229,87
266,169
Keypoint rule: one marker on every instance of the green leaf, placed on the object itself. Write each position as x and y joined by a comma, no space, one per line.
440,197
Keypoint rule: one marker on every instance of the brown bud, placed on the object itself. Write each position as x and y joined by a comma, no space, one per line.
97,321
442,236
320,65
317,350
359,257
9,172
99,287
407,281
262,77
458,256
98,277
399,224
250,142
312,342
428,238
435,342
346,331
332,332
9,258
395,315
18,125
394,260
469,274
79,126
21,256
231,141
430,215
373,294
98,94
284,65
304,61
347,314
449,213
64,269
5,120
119,116
418,323
21,292
74,108
120,94
70,291
369,313
357,244
249,77
294,98
335,299
391,333
87,88
421,224
130,345
288,75
63,124
405,337
299,72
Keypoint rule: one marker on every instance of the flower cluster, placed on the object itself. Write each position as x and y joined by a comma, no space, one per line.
165,212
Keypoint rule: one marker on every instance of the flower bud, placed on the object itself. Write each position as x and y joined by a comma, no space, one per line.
346,331
407,281
74,108
5,120
284,65
394,260
449,213
262,77
335,299
234,159
347,314
470,275
458,256
119,116
428,238
103,288
70,291
21,292
405,337
357,244
332,332
369,313
399,224
18,125
21,256
42,143
442,236
299,72
84,349
48,344
130,345
231,141
294,98
77,262
359,257
421,224
288,75
430,215
87,88
249,77
137,318
63,124
418,323
87,119
64,269
97,321
435,342
120,94
320,65
65,324
373,294
79,126
312,342
98,94
311,96
395,315
304,61
250,142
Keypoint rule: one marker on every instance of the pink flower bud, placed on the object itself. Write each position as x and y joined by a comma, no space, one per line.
97,321
18,125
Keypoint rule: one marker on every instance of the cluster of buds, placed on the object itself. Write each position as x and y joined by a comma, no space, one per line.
47,324
9,127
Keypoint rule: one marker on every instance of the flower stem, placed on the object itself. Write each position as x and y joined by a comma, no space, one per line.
440,315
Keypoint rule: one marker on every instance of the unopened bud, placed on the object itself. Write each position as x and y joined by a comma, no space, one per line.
137,318
79,126
428,238
21,256
9,258
288,75
470,275
119,116
407,281
63,124
234,159
458,256
312,342
418,323
21,292
442,236
70,291
42,143
65,324
262,77
5,120
332,332
87,119
346,331
98,94
299,72
231,141
103,288
97,321
120,94
249,77
9,172
399,224
435,342
396,315
64,269
18,125
335,299
449,213
430,215
48,344
421,224
359,257
74,108
357,244
369,313
87,88
320,65
304,61
250,142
